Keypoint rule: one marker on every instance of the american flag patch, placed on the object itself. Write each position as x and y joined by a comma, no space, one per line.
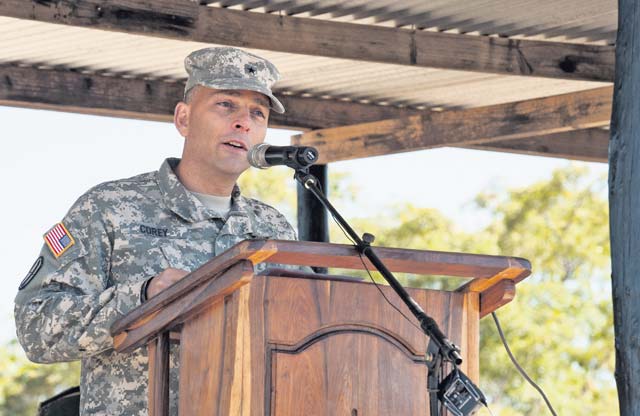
59,239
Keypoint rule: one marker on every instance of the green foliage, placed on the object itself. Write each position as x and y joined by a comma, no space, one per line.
408,226
560,326
24,384
569,213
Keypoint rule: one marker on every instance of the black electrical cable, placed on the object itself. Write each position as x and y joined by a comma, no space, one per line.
519,368
385,296
371,277
369,273
364,264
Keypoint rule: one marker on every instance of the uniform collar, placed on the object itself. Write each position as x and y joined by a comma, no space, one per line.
186,205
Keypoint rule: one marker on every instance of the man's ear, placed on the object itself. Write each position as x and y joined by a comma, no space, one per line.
181,118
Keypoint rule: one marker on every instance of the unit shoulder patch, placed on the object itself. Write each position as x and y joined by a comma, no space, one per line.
59,239
32,272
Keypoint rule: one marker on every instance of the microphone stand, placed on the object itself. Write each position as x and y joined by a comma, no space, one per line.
440,349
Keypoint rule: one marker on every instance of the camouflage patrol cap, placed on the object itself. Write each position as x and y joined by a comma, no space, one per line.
226,68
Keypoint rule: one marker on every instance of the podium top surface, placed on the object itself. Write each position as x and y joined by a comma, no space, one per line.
486,271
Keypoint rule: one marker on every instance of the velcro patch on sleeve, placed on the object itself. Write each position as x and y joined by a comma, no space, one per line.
59,239
32,272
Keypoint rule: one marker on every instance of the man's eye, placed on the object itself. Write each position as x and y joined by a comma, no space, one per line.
225,104
259,113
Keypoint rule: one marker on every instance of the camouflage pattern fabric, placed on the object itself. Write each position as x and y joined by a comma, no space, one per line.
125,232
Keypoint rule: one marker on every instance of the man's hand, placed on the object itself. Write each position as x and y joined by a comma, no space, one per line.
163,280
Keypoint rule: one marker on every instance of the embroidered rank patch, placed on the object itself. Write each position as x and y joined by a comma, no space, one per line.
59,239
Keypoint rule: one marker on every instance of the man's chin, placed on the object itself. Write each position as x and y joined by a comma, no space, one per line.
234,170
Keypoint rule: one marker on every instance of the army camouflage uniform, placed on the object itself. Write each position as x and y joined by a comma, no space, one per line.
125,232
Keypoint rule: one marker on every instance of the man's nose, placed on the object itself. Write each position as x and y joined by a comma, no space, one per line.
242,120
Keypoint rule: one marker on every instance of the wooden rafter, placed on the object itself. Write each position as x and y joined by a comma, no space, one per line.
69,90
467,127
589,145
189,20
73,91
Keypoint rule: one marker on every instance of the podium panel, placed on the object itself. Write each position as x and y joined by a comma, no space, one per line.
349,373
291,346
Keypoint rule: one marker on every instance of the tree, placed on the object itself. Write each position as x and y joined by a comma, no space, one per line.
560,326
24,384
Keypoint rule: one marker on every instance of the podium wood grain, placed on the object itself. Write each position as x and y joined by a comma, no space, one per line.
283,346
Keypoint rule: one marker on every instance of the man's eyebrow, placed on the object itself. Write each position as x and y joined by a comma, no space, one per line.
258,99
262,101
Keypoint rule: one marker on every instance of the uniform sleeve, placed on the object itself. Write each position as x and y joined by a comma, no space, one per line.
67,303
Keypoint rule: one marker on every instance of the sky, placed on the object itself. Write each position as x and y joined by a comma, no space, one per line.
51,158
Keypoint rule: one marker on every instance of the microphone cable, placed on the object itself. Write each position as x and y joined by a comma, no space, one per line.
364,264
519,368
377,285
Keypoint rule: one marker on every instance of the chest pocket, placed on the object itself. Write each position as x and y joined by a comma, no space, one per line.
186,255
239,227
136,259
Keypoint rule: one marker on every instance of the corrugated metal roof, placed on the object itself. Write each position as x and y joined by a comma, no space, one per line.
94,51
559,20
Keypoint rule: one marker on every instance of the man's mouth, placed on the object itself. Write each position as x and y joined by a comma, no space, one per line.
236,144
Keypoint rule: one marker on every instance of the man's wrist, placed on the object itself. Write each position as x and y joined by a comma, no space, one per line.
143,290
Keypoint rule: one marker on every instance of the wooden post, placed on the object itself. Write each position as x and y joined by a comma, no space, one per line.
624,205
159,375
312,217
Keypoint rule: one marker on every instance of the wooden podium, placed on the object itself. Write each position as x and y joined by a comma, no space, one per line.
288,344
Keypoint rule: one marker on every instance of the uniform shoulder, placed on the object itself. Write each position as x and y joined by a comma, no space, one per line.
140,181
269,221
260,207
115,192
108,189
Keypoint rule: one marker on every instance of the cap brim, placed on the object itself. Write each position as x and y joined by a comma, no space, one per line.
243,84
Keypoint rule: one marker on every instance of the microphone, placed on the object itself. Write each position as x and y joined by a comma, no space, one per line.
264,155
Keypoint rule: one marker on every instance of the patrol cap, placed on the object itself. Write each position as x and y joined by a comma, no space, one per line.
227,68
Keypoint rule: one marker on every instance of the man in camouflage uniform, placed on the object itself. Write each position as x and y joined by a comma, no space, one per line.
126,240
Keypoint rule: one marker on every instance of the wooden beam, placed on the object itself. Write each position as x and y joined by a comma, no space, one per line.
70,90
317,113
73,91
158,387
624,207
524,119
589,145
188,20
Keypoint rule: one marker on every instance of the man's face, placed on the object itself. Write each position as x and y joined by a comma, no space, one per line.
222,125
